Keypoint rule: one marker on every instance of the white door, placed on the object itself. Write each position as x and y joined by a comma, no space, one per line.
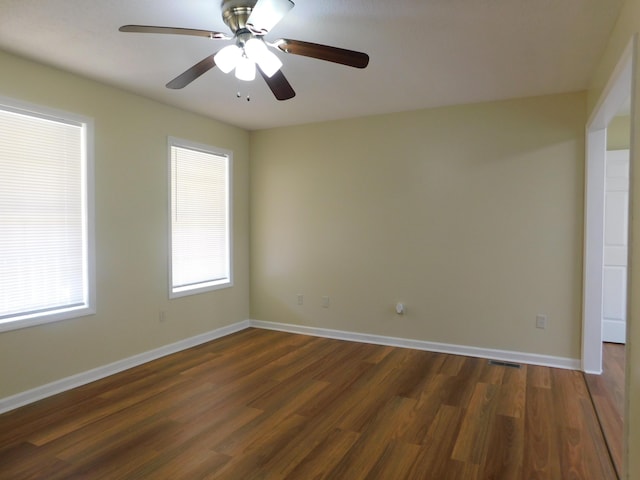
616,220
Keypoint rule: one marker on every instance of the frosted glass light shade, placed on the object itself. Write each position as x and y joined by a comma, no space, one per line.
267,13
257,51
227,58
245,69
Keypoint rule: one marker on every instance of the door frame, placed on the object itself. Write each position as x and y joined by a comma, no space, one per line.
615,93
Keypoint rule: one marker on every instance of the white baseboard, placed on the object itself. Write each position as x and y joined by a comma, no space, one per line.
59,386
38,393
614,331
503,355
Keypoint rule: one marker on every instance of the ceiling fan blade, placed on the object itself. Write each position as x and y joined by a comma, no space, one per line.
323,52
266,14
191,74
279,85
174,31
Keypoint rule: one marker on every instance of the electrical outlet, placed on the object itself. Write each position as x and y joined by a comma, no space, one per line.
325,302
541,321
300,298
162,316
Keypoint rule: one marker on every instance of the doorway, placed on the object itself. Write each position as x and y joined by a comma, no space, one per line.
616,235
605,272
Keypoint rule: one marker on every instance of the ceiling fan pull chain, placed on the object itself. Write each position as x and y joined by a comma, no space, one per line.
239,95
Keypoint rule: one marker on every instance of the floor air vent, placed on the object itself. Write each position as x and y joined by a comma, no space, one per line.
504,364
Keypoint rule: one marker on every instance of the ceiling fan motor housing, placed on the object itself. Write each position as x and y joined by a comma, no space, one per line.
236,12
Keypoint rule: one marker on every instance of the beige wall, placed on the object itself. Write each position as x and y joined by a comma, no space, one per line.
619,133
627,26
471,215
131,232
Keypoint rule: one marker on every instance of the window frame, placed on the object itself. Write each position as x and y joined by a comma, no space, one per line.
207,286
25,320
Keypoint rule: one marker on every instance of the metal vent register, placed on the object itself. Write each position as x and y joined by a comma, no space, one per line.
504,364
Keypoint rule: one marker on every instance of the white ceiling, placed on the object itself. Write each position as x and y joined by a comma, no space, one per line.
424,53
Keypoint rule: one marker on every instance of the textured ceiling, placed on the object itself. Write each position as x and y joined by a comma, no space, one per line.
424,53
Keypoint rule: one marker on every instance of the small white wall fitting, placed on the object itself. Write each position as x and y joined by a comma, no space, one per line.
400,308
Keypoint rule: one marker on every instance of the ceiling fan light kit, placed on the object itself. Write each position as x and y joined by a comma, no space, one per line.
250,20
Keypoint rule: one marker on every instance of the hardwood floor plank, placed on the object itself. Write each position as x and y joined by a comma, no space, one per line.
396,461
542,455
539,377
408,376
144,401
452,365
504,460
494,374
317,429
273,399
308,358
432,367
239,363
427,407
512,392
267,421
462,471
317,461
251,455
386,370
183,441
471,444
115,458
433,459
349,354
334,392
197,462
262,404
374,440
15,462
467,377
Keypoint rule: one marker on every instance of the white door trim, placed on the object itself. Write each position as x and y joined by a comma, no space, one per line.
616,92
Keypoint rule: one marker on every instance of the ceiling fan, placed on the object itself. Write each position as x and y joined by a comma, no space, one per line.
250,21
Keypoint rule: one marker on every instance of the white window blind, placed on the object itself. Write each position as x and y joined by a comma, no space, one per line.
44,253
200,233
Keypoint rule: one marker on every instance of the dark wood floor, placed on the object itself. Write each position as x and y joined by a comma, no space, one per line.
268,405
607,391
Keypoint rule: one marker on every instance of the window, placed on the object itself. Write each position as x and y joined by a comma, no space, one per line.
46,216
200,236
